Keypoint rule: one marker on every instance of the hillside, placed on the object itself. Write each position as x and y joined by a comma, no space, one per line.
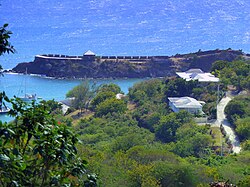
62,66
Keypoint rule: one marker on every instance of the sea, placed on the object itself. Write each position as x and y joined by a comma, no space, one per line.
46,88
116,28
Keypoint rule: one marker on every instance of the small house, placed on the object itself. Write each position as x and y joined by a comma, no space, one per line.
197,74
189,104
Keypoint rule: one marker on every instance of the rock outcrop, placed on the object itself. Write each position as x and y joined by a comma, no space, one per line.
62,66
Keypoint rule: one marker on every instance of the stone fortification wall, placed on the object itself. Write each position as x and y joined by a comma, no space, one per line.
89,58
126,57
59,56
119,66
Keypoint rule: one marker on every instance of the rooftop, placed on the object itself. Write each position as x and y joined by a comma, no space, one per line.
185,102
197,74
89,53
194,71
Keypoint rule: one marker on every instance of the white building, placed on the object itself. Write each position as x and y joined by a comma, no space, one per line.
119,96
89,56
185,103
89,53
197,74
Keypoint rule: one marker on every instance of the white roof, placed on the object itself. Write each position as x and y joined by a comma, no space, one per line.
194,71
185,102
201,77
119,96
89,53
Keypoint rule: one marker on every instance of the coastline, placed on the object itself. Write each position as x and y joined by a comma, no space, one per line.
66,78
89,66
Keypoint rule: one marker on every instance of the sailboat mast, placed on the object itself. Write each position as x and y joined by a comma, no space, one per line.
25,82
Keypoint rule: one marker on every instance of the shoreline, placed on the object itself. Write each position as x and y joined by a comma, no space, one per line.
65,78
90,66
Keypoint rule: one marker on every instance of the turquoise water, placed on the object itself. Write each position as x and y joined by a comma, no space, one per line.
14,84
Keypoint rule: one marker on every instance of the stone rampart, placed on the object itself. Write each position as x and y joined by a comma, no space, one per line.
67,57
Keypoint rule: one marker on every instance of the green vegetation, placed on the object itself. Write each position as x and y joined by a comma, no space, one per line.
5,45
149,145
238,108
109,88
110,106
37,150
237,75
81,96
104,92
238,112
168,125
145,144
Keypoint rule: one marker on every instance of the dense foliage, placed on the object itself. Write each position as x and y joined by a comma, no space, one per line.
37,150
236,73
5,45
238,112
81,95
149,145
145,144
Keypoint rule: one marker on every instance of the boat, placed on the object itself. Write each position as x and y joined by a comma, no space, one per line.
27,97
4,110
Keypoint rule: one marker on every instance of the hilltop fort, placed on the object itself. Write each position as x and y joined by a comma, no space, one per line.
90,65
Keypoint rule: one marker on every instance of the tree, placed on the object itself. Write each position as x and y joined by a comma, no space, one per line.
81,95
243,128
246,145
55,106
147,90
179,87
5,45
36,150
168,125
174,174
109,106
166,131
246,82
109,88
235,73
235,109
218,65
101,97
192,140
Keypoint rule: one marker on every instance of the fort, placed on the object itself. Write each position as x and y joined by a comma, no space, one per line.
90,56
90,65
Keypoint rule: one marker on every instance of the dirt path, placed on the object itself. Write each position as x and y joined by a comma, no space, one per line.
221,119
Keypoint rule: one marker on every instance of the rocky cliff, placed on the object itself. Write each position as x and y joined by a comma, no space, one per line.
115,67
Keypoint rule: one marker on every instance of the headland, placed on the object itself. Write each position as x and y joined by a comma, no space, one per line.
90,65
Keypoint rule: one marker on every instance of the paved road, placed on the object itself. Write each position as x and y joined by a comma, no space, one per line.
221,119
